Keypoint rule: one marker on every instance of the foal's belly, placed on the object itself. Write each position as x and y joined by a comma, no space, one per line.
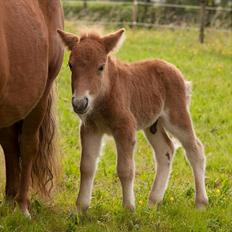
147,121
146,115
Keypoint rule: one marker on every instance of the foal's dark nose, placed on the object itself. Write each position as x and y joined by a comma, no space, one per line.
80,104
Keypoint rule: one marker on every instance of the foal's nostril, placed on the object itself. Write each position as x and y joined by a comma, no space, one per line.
80,104
86,101
74,101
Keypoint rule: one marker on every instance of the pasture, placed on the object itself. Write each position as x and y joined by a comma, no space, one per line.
209,67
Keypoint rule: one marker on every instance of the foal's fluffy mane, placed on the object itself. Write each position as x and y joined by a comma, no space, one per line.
96,34
90,35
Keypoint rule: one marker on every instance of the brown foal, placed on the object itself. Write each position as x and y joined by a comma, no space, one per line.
119,98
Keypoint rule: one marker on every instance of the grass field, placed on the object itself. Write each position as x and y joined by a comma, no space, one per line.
209,67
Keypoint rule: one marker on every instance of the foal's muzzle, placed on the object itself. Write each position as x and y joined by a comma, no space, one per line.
80,105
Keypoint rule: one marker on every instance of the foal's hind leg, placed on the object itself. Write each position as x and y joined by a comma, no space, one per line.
180,125
164,151
9,142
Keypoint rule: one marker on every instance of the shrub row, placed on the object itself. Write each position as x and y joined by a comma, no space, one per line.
122,13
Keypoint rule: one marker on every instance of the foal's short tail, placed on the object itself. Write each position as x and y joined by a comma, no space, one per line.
45,166
188,92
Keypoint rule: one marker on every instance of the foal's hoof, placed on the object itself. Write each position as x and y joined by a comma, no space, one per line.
155,201
129,207
82,208
202,203
154,204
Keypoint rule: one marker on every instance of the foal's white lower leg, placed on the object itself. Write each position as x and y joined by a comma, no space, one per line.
125,169
125,142
91,144
182,129
164,150
195,154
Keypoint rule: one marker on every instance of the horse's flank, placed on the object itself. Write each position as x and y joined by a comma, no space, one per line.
27,37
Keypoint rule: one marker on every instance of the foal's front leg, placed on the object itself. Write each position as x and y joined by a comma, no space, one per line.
125,142
91,144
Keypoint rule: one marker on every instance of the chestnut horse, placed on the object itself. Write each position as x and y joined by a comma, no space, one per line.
118,98
31,55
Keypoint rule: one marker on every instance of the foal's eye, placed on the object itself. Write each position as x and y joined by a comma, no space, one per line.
101,68
70,65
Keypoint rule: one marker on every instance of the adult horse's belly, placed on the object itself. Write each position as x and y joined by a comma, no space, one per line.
4,64
25,62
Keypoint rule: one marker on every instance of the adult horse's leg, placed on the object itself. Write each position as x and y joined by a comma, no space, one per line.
30,139
164,151
28,151
9,141
91,144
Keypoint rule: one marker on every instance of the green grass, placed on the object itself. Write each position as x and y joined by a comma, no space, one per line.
209,67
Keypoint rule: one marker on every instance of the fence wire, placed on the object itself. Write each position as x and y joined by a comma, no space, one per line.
147,14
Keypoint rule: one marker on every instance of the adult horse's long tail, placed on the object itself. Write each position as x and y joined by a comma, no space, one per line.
45,166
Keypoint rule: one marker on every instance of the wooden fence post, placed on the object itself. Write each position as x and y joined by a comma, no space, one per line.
134,13
202,21
85,6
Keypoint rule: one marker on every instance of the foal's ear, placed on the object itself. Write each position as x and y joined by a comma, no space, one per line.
113,40
69,39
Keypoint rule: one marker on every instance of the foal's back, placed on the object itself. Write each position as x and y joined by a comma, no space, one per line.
151,87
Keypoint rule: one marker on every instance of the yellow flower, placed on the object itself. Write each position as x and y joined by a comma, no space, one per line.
218,191
171,198
141,202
